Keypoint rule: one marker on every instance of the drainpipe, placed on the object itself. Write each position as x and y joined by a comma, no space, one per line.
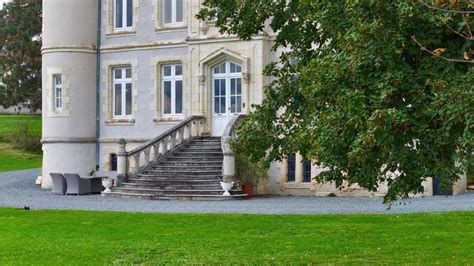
97,89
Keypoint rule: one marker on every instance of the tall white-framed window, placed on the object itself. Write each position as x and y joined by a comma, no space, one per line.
123,14
58,92
122,92
172,12
172,89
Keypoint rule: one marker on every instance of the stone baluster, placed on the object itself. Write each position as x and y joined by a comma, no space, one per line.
156,148
181,135
122,164
147,155
173,140
164,146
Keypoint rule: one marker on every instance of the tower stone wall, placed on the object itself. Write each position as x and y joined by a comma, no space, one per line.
69,51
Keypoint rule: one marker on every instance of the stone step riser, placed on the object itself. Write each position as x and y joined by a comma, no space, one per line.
172,187
188,164
157,182
170,192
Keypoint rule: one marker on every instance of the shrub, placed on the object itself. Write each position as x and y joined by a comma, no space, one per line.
23,138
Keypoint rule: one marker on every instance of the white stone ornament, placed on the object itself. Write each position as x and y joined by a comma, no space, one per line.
227,186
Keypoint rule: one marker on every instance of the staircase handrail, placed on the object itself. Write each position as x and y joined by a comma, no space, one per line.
169,132
151,151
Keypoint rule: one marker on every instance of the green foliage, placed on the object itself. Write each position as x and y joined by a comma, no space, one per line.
97,238
246,170
22,138
20,53
356,93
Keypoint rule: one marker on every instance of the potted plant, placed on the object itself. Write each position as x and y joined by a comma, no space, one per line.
248,172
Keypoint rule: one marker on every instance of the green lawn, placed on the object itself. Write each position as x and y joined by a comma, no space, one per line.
8,123
80,237
13,159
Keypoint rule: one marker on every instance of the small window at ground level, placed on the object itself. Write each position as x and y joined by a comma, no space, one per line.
291,167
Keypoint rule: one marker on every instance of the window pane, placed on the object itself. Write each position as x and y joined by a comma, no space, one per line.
223,105
238,69
167,97
128,73
178,96
57,79
167,11
222,87
239,86
117,73
179,10
239,104
291,167
216,105
118,99
216,70
232,86
232,68
118,14
222,68
216,87
128,99
306,171
178,70
232,104
167,71
129,13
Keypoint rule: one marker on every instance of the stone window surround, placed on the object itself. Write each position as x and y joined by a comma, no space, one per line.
106,91
65,73
158,18
156,91
108,19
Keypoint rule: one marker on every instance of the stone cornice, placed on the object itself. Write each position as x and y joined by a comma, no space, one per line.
72,140
91,49
143,46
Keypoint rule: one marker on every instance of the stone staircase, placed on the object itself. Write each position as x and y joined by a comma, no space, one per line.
191,171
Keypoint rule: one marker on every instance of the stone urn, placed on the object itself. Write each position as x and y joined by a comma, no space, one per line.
227,186
107,183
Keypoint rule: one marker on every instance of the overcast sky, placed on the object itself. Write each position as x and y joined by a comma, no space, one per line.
1,3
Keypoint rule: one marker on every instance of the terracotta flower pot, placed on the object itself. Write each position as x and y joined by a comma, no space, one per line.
247,189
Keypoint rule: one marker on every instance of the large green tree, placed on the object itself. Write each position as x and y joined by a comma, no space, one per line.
20,53
356,92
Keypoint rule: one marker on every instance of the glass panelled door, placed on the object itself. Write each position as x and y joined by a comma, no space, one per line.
227,95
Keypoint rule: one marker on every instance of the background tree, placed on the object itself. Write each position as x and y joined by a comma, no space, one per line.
20,50
356,93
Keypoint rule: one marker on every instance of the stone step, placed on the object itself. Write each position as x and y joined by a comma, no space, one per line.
168,186
177,197
200,149
157,191
178,168
158,180
184,163
187,172
194,158
179,177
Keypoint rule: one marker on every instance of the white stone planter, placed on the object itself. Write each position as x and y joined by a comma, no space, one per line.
107,183
227,186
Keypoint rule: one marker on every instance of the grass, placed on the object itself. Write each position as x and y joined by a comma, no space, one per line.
14,159
8,123
81,237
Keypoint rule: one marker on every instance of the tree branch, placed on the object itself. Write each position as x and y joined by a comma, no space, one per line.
444,9
440,56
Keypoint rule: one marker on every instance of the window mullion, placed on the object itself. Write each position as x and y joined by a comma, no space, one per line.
173,11
124,13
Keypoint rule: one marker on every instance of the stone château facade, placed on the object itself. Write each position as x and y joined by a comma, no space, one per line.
133,69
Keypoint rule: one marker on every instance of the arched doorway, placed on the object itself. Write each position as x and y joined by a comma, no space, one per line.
226,94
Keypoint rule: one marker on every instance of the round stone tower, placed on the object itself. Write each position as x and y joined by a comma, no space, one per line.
69,87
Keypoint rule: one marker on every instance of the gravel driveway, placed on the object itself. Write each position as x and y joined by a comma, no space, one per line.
17,189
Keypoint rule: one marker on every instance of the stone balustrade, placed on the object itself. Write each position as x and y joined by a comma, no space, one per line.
130,162
228,164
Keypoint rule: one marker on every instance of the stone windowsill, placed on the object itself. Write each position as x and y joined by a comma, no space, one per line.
293,185
170,28
120,122
123,33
